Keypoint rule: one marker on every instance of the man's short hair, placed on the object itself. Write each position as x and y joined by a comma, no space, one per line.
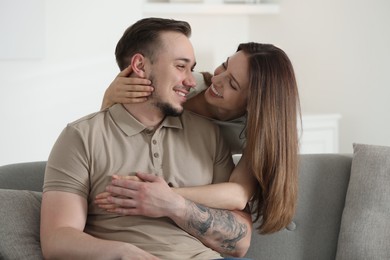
143,37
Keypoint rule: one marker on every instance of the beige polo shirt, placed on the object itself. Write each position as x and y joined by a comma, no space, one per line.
186,151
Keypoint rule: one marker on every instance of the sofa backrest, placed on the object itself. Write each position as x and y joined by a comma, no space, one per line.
323,183
22,176
313,234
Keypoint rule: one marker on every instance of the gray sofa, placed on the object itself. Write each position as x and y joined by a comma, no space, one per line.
331,221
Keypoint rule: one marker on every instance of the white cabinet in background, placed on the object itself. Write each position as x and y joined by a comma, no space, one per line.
320,134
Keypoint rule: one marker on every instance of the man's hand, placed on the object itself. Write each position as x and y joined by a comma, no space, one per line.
151,197
101,198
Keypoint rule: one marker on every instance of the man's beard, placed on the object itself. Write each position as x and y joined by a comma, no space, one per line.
166,108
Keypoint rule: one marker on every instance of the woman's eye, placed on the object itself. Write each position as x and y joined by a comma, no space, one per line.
224,65
232,85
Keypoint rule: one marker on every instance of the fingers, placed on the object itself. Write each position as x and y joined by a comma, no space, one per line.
136,84
111,200
102,201
106,206
133,97
122,202
123,188
126,72
103,195
117,197
115,204
124,211
121,196
131,90
127,90
126,177
135,93
147,177
132,100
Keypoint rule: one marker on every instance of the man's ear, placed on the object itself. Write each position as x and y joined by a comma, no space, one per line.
138,65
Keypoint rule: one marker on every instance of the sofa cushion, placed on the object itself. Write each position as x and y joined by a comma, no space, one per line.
365,224
19,228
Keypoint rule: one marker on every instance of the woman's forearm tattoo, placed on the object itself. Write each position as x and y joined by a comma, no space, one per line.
219,223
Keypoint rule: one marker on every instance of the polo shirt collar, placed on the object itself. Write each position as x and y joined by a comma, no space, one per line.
131,126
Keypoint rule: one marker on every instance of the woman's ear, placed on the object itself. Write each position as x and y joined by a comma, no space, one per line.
138,65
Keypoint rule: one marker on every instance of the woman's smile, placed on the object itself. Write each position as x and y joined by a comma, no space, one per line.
214,92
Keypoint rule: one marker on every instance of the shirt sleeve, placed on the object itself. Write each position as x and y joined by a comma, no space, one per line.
223,165
67,167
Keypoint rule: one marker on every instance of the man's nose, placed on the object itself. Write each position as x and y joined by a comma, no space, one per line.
190,81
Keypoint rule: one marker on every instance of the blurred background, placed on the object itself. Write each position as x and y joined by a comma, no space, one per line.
57,59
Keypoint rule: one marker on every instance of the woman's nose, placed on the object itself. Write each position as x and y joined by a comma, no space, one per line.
217,79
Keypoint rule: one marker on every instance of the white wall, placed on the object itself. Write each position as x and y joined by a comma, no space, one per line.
39,96
341,53
339,49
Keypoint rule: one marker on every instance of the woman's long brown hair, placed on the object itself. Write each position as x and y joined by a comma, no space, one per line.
272,141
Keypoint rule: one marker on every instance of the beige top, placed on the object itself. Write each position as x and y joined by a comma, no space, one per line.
186,150
232,130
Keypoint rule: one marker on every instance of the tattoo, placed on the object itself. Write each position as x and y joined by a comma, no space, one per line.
202,226
221,224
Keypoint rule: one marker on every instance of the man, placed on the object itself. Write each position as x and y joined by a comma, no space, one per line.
157,137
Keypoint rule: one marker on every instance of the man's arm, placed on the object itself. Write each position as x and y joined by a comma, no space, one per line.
63,218
228,232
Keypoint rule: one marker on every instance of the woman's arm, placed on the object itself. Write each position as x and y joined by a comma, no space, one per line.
227,232
124,89
232,195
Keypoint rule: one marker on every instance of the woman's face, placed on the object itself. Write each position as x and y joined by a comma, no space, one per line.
230,83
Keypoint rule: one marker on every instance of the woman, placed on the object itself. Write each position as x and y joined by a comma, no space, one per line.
253,97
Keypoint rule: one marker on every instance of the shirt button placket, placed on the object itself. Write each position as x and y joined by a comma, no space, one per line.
156,154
